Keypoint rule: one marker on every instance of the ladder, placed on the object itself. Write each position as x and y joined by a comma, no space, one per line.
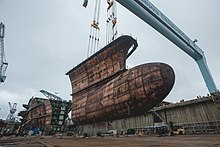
163,120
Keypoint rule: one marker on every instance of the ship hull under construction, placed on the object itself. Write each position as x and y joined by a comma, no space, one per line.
107,90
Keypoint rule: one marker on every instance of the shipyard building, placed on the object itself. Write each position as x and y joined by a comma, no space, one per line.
196,116
200,115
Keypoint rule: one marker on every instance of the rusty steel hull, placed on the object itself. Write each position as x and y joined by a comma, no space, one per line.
132,93
104,90
102,66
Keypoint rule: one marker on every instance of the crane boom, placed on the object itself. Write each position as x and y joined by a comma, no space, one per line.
146,11
50,95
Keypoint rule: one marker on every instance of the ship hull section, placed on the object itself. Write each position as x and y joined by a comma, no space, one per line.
133,92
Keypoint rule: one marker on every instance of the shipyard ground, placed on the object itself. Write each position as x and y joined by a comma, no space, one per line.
209,140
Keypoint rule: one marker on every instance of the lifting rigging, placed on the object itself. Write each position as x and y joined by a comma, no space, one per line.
111,25
94,29
3,63
111,22
146,11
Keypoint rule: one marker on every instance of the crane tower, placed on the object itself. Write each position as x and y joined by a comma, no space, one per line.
3,63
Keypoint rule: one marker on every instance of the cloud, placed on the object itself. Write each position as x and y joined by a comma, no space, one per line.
45,39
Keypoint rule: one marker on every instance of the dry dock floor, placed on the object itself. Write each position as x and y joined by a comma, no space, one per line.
210,140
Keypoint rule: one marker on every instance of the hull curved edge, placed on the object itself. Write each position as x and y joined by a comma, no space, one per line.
131,93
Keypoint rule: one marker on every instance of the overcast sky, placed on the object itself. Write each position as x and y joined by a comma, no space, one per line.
45,38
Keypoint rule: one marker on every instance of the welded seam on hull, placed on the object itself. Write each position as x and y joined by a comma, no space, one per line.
120,39
114,98
129,88
143,81
122,65
101,82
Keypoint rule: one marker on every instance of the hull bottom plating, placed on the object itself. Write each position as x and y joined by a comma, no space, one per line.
132,92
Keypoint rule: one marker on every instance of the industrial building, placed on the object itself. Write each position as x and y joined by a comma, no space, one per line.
48,115
108,96
200,115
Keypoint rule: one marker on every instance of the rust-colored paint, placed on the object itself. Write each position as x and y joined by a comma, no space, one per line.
101,66
45,113
107,90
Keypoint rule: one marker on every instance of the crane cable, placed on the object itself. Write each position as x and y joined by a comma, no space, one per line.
114,21
99,28
96,38
111,27
94,30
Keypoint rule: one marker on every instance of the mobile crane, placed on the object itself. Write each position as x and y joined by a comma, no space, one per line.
146,11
